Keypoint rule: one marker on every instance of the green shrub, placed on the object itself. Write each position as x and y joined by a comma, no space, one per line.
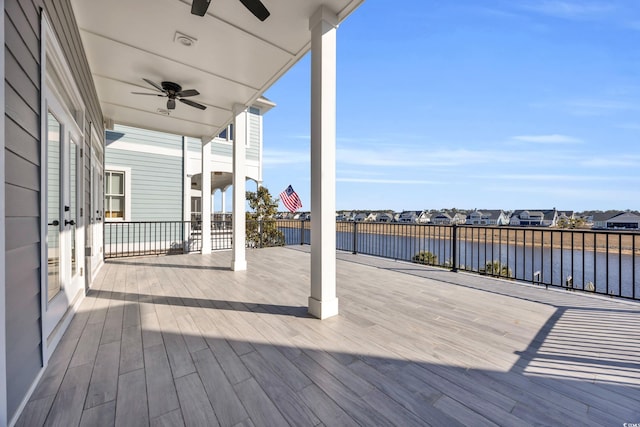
425,257
496,268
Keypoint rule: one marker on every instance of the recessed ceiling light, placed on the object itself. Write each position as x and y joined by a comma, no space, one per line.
184,39
163,111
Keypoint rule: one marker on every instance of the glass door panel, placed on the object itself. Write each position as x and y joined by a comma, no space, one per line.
73,201
54,283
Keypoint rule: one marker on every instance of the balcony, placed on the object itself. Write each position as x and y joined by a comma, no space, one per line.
167,340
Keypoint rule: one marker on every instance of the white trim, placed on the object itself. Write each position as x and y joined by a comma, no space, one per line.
44,39
64,97
127,191
3,302
144,148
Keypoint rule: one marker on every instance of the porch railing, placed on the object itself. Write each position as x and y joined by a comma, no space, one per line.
603,262
598,261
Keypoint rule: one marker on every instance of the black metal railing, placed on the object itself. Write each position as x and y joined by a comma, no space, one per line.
127,238
603,262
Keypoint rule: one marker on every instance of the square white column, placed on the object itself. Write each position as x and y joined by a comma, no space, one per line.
186,195
238,258
206,196
323,302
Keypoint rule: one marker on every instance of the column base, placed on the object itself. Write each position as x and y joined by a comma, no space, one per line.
239,265
323,309
204,251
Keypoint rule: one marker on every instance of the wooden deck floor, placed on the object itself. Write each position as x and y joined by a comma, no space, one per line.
175,340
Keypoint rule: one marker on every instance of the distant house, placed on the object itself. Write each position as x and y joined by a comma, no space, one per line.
458,218
441,218
487,217
564,216
624,220
361,216
600,219
385,217
419,217
534,218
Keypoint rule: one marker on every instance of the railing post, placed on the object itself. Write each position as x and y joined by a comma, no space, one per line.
301,232
355,237
454,248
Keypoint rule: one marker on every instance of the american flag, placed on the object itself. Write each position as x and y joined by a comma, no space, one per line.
290,199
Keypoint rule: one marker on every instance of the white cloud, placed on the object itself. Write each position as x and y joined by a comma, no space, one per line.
559,178
548,139
569,9
281,157
388,181
398,156
612,161
594,107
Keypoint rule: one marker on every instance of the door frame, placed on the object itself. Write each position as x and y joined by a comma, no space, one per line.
59,91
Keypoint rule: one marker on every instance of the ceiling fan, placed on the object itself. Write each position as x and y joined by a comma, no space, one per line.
173,91
199,7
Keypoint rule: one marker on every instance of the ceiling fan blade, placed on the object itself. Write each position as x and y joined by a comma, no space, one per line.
188,92
171,104
193,104
257,8
154,84
199,7
152,94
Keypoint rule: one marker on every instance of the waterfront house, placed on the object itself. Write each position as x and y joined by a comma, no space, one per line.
137,160
534,218
419,217
600,219
448,218
385,217
487,217
365,217
70,69
625,221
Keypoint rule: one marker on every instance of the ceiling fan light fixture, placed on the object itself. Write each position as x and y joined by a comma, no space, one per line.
184,39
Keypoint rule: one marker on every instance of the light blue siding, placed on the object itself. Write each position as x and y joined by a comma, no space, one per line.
145,137
156,184
253,150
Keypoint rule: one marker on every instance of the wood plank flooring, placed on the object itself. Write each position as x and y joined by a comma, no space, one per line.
182,340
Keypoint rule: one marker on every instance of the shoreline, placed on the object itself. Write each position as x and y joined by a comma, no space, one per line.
550,238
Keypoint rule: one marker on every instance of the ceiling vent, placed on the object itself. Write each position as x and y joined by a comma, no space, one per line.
184,39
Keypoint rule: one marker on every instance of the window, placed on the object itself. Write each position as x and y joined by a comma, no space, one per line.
114,195
227,134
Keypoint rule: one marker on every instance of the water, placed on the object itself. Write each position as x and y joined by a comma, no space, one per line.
611,274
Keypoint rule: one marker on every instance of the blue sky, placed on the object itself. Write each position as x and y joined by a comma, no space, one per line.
473,104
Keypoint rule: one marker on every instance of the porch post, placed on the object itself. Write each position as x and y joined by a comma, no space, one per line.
223,206
323,302
206,196
239,262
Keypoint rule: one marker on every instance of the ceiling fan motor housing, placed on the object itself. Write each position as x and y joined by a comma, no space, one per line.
171,88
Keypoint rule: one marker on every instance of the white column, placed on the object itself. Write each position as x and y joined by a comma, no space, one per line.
3,331
186,185
223,202
323,302
206,196
239,261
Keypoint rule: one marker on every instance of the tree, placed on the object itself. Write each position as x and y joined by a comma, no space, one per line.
262,229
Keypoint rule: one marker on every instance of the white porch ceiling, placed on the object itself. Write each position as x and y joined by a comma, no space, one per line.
234,60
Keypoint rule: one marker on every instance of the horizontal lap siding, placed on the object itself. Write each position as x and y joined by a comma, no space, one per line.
253,150
22,187
22,180
156,184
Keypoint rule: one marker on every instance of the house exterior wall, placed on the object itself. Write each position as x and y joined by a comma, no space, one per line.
22,195
154,166
22,184
222,150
